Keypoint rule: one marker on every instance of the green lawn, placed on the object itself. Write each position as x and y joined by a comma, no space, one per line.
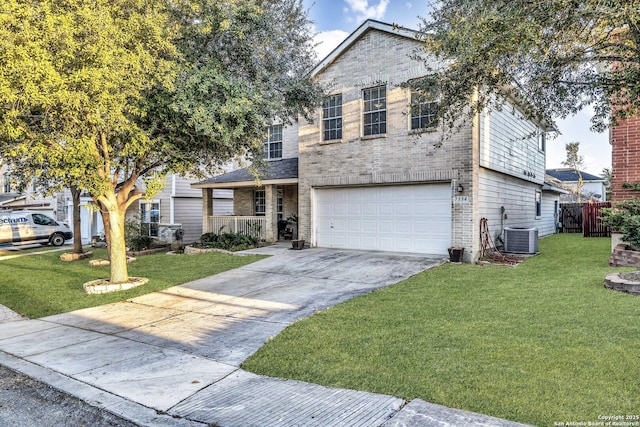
41,285
539,343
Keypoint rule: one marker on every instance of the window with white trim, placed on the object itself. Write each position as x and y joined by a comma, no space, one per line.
374,116
273,143
423,112
538,204
259,203
332,117
150,218
542,141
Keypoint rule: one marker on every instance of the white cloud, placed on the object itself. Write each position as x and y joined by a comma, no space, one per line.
326,41
366,11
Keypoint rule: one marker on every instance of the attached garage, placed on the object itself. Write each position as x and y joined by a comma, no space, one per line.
397,218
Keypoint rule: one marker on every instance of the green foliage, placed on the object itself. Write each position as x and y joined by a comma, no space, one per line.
539,343
632,185
140,243
136,234
557,55
624,217
228,241
99,94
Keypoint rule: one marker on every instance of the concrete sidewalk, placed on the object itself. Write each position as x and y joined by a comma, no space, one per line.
172,358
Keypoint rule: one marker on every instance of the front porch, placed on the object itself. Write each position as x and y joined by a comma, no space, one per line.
260,207
255,226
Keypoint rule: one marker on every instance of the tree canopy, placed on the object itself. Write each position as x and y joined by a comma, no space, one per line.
557,55
102,94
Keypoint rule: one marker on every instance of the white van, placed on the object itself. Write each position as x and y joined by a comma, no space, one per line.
21,227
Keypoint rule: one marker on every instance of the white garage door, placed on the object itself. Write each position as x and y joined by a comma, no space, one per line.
398,218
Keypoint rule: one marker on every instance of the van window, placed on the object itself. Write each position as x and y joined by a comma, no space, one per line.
43,220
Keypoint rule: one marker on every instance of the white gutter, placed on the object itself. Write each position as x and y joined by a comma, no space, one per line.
171,200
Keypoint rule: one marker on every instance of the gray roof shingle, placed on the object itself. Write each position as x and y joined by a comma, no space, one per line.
276,169
570,175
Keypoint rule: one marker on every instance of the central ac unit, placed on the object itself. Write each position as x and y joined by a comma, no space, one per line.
521,240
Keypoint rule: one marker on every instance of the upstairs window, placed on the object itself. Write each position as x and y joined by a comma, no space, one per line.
332,117
542,141
273,143
375,110
423,112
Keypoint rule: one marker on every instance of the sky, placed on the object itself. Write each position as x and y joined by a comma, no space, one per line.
334,20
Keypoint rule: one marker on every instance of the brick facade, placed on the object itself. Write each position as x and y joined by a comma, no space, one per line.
399,155
625,158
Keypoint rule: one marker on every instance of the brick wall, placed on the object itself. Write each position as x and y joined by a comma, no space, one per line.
625,158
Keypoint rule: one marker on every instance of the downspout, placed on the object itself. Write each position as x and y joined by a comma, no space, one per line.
171,200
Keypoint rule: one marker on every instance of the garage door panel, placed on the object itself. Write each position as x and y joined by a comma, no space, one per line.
401,218
354,225
369,226
340,225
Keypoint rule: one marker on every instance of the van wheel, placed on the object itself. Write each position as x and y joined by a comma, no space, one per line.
57,240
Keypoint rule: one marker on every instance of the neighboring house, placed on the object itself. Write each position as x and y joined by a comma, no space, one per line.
593,187
368,174
53,206
177,206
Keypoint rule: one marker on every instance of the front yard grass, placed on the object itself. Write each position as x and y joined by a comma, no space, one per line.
42,285
540,343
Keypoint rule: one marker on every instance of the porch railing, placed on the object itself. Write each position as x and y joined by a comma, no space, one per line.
252,225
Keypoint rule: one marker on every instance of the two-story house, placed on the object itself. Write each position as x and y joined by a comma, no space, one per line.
370,173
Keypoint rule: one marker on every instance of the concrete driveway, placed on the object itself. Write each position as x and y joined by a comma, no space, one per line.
172,357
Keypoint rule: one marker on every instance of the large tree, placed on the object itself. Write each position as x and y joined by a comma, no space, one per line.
557,55
104,94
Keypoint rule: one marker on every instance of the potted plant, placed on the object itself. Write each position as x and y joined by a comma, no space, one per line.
455,253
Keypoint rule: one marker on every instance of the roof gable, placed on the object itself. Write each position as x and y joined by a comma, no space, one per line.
366,26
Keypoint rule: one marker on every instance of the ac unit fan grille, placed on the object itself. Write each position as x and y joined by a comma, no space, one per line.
521,240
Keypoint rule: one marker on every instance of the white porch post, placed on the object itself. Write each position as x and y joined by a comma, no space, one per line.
271,200
207,208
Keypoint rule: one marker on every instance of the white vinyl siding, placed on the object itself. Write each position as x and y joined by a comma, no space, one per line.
546,225
222,202
516,196
188,213
509,144
397,218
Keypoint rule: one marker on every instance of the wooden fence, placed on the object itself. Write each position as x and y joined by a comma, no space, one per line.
584,218
571,217
591,223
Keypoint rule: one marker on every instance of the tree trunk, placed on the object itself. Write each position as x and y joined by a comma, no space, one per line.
77,235
113,218
118,247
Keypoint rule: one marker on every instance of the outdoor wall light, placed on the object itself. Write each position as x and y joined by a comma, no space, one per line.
460,188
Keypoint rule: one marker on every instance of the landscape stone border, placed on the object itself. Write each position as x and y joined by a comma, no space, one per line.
102,286
623,257
624,282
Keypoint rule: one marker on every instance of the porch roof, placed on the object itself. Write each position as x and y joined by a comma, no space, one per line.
283,171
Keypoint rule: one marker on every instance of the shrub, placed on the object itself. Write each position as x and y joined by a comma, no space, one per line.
228,241
625,218
140,243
